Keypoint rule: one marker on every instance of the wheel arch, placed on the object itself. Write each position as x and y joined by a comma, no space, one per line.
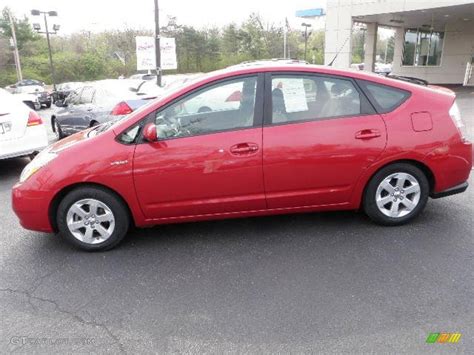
420,165
53,206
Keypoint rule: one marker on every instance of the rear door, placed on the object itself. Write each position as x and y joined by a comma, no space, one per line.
320,134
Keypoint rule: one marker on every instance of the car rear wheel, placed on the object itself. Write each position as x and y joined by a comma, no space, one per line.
92,219
396,194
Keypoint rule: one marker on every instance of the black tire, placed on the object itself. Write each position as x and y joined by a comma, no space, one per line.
32,155
30,105
113,202
48,104
369,198
204,109
57,129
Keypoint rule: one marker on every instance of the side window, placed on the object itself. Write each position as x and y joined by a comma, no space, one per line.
385,98
87,95
73,97
224,106
311,97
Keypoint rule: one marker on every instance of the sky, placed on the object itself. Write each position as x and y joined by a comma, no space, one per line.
99,15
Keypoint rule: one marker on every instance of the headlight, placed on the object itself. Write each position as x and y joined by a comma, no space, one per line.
37,163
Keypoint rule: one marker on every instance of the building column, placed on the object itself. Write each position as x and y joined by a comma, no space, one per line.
337,46
370,46
398,50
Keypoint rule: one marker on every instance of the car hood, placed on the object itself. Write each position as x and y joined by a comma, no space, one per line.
70,141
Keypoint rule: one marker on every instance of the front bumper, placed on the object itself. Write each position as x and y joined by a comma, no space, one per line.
32,208
451,191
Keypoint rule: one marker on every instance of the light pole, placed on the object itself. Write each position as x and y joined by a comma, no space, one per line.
37,28
306,35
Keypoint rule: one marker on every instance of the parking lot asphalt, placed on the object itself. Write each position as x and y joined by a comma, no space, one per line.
322,282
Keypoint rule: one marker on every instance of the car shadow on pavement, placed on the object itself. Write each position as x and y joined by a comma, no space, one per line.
319,228
14,166
10,170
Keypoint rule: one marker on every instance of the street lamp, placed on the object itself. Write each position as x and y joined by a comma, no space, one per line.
306,35
37,28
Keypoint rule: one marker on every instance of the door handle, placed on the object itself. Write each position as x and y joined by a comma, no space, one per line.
368,134
244,148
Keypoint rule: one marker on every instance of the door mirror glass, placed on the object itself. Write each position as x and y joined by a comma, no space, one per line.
149,132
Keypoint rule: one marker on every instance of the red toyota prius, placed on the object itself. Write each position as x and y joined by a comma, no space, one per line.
293,138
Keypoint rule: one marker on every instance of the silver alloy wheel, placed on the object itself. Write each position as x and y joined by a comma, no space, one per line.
398,195
90,221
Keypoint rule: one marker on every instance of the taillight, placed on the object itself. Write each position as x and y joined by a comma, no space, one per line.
121,109
455,115
34,119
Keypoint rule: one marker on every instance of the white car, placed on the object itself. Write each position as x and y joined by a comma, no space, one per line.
30,100
22,131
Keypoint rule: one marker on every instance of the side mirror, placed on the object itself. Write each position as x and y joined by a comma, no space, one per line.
149,132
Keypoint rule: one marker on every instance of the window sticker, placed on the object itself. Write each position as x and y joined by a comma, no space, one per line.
293,93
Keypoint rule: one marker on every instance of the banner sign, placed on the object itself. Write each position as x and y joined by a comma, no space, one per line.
146,58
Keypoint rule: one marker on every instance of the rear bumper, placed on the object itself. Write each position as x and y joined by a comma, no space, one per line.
451,191
34,140
451,166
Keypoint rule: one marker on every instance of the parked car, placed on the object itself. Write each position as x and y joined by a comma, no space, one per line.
30,100
25,82
143,77
34,87
302,138
63,90
22,132
383,68
94,104
221,101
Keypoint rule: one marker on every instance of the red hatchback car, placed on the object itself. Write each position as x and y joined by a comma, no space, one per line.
297,138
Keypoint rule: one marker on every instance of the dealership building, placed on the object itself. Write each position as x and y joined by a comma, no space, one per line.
434,39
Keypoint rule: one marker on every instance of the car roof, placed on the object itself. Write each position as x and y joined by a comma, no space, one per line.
274,66
301,67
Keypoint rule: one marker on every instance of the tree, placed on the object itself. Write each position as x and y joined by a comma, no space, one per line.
23,30
91,56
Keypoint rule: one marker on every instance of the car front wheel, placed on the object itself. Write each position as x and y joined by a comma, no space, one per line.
57,130
92,218
396,194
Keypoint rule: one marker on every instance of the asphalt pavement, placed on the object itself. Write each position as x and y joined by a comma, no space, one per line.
322,282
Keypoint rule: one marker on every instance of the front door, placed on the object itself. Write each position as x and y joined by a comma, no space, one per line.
208,159
320,135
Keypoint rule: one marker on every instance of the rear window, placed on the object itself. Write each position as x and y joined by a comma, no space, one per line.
385,98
